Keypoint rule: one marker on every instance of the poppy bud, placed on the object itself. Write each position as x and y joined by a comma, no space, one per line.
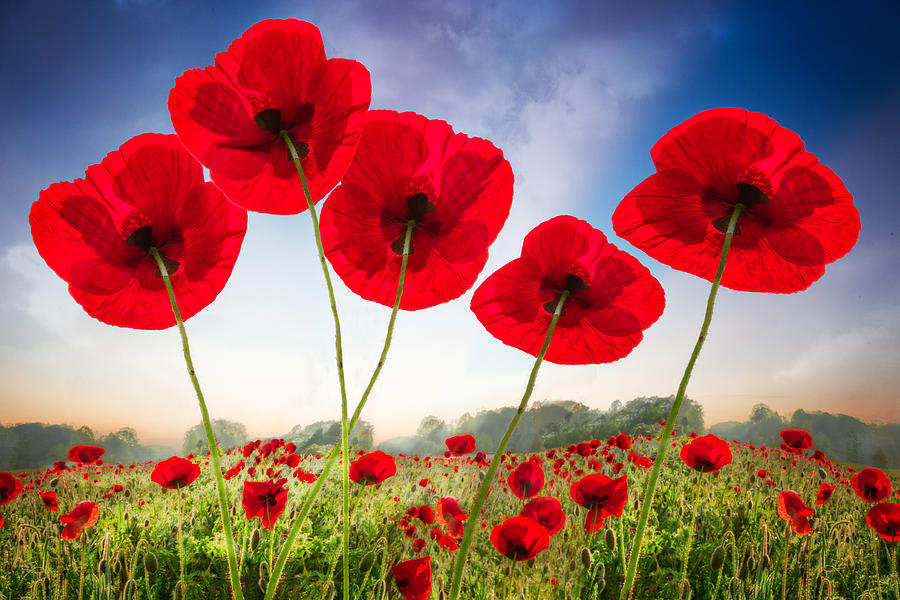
586,558
262,583
54,482
378,589
611,540
601,578
367,561
254,540
263,570
150,562
717,559
117,567
128,590
734,585
764,561
101,567
146,522
823,474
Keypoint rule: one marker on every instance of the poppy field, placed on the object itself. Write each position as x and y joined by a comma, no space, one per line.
409,208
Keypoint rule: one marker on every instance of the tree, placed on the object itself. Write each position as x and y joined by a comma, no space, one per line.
228,434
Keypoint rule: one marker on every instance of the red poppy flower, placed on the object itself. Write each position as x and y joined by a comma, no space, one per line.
85,514
457,189
885,520
623,442
9,487
274,77
373,468
520,538
425,514
613,298
526,480
174,473
871,484
797,439
547,511
602,496
96,234
792,508
449,514
461,444
413,578
797,216
86,454
824,493
265,499
706,453
447,543
49,500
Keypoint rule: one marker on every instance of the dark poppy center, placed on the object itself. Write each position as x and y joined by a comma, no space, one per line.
573,284
270,120
514,551
749,195
268,499
142,237
418,205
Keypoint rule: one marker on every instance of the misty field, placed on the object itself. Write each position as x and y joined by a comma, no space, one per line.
740,547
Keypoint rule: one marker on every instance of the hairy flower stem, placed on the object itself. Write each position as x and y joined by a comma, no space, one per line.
332,458
894,579
690,540
634,556
210,438
180,543
784,571
81,570
462,554
345,433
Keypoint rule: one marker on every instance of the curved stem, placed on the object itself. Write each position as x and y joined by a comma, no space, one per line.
326,471
635,556
210,438
462,553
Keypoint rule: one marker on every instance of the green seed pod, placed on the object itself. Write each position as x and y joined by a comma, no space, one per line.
823,474
573,564
611,540
146,523
586,558
117,567
718,558
254,540
728,512
54,482
150,562
127,493
367,561
101,567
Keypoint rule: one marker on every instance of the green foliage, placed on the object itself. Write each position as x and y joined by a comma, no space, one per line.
228,434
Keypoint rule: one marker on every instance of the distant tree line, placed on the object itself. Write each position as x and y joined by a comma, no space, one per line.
840,437
318,437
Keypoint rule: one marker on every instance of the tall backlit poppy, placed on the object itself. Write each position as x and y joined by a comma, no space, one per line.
50,500
797,216
797,439
413,578
85,454
96,233
373,468
613,298
824,493
792,508
547,511
872,485
174,473
274,77
602,496
84,515
520,538
526,480
9,487
460,444
450,515
706,453
884,518
456,189
265,499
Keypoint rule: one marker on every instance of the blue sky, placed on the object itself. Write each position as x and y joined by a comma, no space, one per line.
575,93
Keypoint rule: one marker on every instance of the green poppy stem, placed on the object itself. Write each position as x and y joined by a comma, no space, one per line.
690,540
180,543
635,555
462,554
210,438
894,579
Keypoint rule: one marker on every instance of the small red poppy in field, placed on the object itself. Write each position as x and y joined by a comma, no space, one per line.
274,78
96,233
797,439
885,520
448,543
547,511
456,189
413,578
265,499
824,493
174,473
85,514
373,468
527,480
85,454
520,538
797,216
871,484
426,514
792,508
9,487
706,453
461,444
49,500
602,496
623,441
449,514
612,297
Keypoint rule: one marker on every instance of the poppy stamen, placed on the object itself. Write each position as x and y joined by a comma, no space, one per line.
142,237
